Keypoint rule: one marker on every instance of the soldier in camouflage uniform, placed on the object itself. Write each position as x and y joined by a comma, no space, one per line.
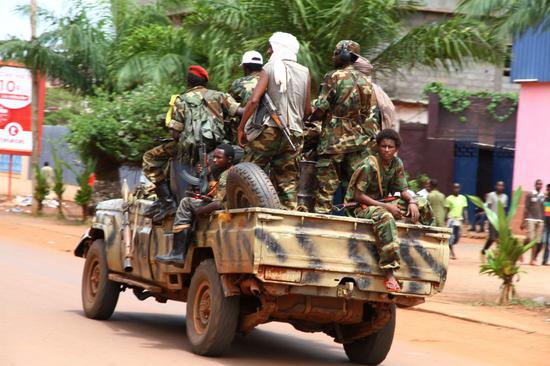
190,207
196,116
345,104
241,89
379,176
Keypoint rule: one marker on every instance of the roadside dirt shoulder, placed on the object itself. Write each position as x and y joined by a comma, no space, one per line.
45,231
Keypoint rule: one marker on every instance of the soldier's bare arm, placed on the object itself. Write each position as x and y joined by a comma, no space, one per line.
412,208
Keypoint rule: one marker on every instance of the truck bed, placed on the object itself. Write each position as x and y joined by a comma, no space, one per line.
305,249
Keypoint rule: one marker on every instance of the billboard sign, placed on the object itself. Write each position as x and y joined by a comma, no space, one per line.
16,110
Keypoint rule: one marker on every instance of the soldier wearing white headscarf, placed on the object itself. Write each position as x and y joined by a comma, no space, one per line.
288,85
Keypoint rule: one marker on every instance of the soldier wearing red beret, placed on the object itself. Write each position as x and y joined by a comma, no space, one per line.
196,116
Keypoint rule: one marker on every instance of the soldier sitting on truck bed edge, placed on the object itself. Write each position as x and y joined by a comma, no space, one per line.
372,186
190,207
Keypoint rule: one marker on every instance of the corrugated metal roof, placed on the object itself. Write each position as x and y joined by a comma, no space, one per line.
531,57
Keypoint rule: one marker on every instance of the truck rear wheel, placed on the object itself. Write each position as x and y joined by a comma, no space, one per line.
249,186
99,294
212,318
374,348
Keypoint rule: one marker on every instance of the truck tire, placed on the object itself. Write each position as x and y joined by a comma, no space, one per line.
249,186
374,348
211,318
99,294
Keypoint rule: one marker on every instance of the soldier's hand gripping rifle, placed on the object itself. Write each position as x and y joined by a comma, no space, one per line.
277,117
202,180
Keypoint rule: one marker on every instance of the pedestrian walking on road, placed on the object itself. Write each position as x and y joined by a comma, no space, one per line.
456,205
533,219
437,201
491,201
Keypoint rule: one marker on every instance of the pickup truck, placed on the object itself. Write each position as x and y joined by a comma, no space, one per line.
254,263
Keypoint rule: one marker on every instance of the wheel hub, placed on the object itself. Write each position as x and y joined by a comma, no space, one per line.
94,278
202,308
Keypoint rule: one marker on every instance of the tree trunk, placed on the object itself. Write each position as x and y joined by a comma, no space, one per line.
60,214
35,157
506,292
107,185
84,212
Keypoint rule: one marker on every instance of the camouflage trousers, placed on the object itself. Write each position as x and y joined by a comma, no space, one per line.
155,161
331,171
185,213
385,228
271,151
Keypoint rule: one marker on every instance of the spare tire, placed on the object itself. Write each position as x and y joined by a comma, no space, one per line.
249,186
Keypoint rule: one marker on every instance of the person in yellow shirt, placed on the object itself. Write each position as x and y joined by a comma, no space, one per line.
456,213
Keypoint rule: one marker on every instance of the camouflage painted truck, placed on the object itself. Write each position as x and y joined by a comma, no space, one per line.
255,263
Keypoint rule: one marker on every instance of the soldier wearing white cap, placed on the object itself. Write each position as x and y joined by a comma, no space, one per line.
241,89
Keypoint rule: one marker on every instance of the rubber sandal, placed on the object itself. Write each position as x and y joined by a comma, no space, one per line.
391,288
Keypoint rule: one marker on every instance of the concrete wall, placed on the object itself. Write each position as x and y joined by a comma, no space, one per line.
532,135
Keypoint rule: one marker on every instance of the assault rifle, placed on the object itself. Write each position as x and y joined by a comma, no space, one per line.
277,117
202,180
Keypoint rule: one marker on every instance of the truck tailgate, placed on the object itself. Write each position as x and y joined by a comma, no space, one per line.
334,244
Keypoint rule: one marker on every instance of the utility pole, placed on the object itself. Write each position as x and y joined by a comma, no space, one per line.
35,157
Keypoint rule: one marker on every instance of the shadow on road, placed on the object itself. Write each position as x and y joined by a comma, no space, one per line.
167,331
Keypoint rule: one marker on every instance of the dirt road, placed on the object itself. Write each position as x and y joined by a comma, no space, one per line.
42,323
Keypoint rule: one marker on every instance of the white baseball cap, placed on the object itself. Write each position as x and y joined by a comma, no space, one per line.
252,57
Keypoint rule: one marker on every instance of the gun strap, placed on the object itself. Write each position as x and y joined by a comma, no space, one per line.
374,159
211,109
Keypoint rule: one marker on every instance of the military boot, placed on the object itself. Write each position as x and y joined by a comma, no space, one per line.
179,250
164,205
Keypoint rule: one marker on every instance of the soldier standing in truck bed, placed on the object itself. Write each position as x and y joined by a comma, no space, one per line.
196,116
287,83
241,89
346,106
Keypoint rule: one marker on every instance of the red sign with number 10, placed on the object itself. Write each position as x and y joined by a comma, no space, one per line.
16,109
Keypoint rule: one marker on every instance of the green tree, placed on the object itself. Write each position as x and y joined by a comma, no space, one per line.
509,17
118,128
222,29
503,262
156,53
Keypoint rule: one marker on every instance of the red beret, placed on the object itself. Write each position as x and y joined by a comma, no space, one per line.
199,71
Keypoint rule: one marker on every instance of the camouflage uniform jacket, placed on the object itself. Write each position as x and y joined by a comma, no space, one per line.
347,98
242,88
366,177
221,105
218,191
201,113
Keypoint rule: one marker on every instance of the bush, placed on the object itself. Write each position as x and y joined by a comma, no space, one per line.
119,128
84,193
41,189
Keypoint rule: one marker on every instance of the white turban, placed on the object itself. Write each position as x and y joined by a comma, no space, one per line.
285,47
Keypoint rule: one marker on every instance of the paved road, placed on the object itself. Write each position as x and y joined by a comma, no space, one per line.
41,323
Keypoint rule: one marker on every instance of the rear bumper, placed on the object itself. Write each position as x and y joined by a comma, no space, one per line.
367,287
